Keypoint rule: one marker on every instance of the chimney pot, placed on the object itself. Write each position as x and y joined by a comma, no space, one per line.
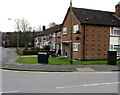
44,28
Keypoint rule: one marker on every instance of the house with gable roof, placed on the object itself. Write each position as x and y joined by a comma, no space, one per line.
95,32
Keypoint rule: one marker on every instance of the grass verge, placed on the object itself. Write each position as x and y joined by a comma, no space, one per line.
58,61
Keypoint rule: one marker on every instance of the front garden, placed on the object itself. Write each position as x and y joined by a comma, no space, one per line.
27,58
59,61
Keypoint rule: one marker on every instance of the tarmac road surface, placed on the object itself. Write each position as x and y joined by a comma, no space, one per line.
69,82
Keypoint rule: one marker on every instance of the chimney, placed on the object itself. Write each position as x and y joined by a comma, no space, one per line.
117,7
43,28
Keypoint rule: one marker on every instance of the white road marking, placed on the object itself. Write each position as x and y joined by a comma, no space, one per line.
16,91
85,85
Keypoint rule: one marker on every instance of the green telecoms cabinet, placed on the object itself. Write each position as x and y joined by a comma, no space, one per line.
112,58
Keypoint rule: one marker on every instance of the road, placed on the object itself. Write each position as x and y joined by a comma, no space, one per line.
46,82
0,67
0,56
8,56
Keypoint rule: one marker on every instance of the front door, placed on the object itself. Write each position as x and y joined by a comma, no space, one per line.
65,50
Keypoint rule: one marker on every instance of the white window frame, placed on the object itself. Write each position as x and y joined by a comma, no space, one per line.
65,31
54,35
75,46
75,28
44,36
113,29
112,47
58,34
53,46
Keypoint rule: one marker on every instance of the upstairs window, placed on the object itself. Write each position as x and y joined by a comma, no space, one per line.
75,28
58,35
64,31
44,36
50,36
54,35
115,31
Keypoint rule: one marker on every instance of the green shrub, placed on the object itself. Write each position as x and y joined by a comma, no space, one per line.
47,47
29,51
32,50
20,51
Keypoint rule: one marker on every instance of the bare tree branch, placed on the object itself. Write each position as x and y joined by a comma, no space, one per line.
24,24
52,24
17,22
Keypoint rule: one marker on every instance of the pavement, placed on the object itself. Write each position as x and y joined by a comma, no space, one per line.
9,56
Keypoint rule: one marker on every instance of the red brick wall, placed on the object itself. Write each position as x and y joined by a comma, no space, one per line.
76,55
96,42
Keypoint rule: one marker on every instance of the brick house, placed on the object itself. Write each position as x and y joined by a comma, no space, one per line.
50,36
94,33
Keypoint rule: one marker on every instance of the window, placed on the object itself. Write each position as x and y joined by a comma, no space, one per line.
58,34
54,35
111,47
64,31
75,28
75,46
50,36
116,48
53,46
44,36
115,31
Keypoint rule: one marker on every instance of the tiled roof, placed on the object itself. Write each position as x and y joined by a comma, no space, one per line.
50,30
96,17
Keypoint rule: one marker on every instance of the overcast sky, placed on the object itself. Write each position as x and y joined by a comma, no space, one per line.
42,12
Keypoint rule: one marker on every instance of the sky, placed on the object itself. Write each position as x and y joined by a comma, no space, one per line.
42,12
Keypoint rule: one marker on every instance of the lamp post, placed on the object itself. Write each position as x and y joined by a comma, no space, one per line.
71,38
18,29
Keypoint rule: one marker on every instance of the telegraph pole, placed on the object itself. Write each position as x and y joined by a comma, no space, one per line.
71,39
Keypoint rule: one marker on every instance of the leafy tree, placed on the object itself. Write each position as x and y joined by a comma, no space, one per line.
47,47
52,24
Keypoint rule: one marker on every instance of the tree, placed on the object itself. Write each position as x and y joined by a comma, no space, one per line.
52,24
17,22
39,28
24,25
30,29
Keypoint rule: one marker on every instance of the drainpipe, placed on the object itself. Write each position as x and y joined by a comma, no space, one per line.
61,43
84,43
55,41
